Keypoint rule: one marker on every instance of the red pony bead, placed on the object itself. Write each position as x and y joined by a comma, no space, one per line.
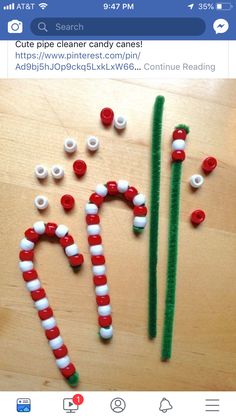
79,167
68,202
66,241
104,321
130,193
31,235
26,255
112,187
209,164
96,199
92,219
107,116
38,294
98,260
198,216
140,211
68,371
45,314
94,240
30,275
178,155
102,300
179,134
52,333
76,260
60,352
50,229
99,280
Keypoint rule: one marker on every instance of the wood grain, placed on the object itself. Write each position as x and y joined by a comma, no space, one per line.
35,117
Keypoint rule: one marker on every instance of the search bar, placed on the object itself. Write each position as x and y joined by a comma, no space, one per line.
96,27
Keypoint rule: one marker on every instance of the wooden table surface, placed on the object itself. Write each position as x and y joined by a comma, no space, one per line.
36,116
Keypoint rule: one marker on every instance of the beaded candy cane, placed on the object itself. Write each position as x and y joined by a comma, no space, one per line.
38,294
131,194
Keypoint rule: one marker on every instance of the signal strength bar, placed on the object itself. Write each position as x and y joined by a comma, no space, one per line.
10,6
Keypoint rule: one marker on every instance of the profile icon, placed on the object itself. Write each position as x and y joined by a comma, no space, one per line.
118,405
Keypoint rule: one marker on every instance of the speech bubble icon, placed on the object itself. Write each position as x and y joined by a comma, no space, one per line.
220,26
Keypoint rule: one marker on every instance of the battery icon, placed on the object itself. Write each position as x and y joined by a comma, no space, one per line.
224,6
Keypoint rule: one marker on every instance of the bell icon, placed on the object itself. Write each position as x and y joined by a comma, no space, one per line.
165,405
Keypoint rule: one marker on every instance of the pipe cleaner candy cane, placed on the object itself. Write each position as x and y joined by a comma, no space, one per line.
131,194
38,294
178,155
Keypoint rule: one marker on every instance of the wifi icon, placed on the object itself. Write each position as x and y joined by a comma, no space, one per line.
43,5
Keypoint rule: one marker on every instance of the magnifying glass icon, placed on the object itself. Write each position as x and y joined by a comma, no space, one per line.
42,26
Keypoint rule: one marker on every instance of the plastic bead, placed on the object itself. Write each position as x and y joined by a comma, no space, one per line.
73,380
30,275
68,371
178,145
45,314
63,362
96,250
92,219
40,171
106,333
50,229
33,285
79,167
38,294
122,186
72,250
209,164
39,227
139,199
66,241
196,181
26,255
140,222
57,171
41,202
61,230
60,352
26,244
49,323
102,300
198,216
99,280
70,145
91,208
76,260
140,211
96,199
52,333
104,321
93,229
31,235
179,134
101,190
98,260
107,116
99,270
178,155
41,304
94,240
56,343
68,202
104,310
112,188
130,193
92,143
120,122
26,265
101,290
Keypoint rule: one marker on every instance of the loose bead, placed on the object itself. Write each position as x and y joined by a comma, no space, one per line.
178,155
50,229
55,343
33,285
112,188
99,280
92,143
31,235
96,250
130,193
57,171
209,164
40,171
41,202
93,229
63,362
104,310
79,167
102,300
139,199
52,333
96,199
30,275
104,321
38,294
26,265
101,290
120,122
45,314
49,323
26,255
92,219
140,211
106,333
99,270
72,250
67,202
179,134
98,260
70,145
26,244
39,227
94,239
41,304
122,186
198,216
91,208
76,260
61,231
101,190
66,241
60,352
196,181
68,371
178,145
140,222
107,116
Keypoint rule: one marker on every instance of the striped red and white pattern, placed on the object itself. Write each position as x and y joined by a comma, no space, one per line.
37,292
131,194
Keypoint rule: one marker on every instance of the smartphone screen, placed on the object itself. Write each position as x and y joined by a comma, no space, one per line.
118,232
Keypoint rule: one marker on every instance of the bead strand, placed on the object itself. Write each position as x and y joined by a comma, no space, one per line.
38,293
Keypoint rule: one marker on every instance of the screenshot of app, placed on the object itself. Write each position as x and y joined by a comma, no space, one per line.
118,203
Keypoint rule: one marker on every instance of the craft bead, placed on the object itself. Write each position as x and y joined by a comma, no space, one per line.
73,380
96,250
104,321
92,219
122,186
98,260
130,193
39,227
198,216
70,145
52,333
93,229
55,343
179,134
112,188
178,145
72,250
196,181
63,362
67,202
209,164
68,371
96,199
106,333
26,255
139,199
101,290
107,116
38,294
60,352
104,310
120,122
76,260
49,323
57,171
66,241
31,235
99,270
41,202
45,314
50,229
102,300
61,231
140,222
30,275
178,155
26,244
92,143
33,285
26,265
99,280
140,211
94,239
79,167
101,190
40,171
41,304
91,208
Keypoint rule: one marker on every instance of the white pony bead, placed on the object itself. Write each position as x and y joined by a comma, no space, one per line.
196,181
41,304
41,202
101,190
40,171
99,270
72,250
33,285
101,290
96,250
70,145
57,171
49,323
104,310
92,143
91,209
63,362
139,200
26,265
93,229
120,122
122,186
26,244
140,222
56,343
61,230
39,227
178,145
106,333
